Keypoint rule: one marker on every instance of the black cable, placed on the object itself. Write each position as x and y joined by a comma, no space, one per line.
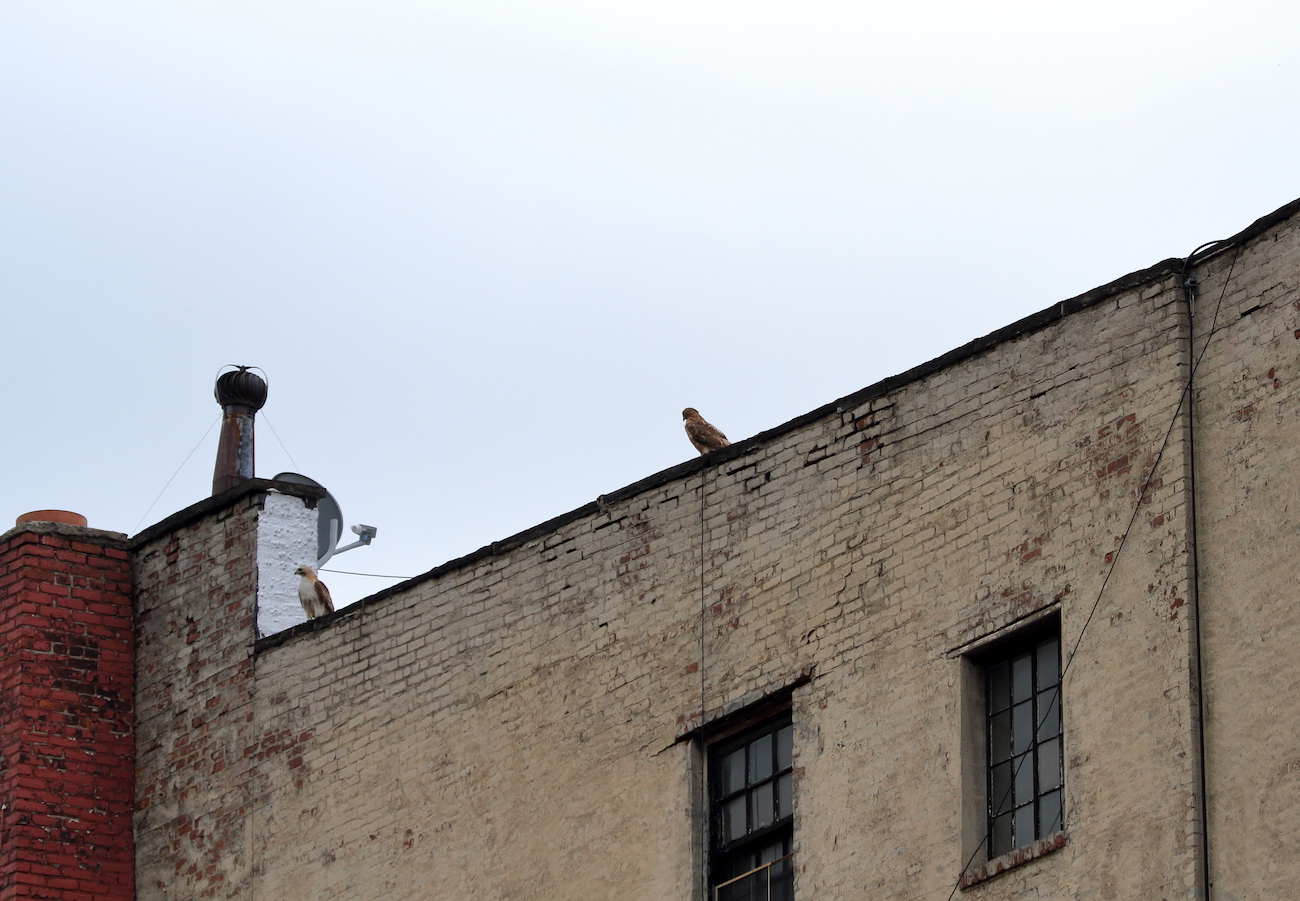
374,575
1137,507
704,751
1024,758
267,420
178,471
1196,572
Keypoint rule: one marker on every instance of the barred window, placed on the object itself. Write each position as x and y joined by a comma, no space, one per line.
752,814
1025,787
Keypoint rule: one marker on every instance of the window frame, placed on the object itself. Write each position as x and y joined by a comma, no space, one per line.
1024,739
978,853
725,852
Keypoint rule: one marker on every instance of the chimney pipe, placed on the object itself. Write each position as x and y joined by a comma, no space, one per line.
241,394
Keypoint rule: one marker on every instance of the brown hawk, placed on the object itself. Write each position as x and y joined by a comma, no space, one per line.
704,436
313,594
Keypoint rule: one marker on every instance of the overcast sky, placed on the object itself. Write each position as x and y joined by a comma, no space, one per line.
487,252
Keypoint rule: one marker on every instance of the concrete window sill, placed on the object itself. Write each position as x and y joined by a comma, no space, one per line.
1010,861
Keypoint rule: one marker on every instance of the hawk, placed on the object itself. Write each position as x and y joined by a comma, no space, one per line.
704,436
313,594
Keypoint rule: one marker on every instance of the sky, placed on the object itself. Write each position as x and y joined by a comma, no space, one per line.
485,253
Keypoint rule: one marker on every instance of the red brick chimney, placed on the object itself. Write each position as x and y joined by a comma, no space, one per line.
67,754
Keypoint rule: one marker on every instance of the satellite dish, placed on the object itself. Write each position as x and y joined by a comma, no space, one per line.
329,521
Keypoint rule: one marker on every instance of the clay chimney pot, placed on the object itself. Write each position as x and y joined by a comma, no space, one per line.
66,517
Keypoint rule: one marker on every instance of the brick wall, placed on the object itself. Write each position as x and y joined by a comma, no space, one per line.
520,723
66,685
510,727
1248,487
196,586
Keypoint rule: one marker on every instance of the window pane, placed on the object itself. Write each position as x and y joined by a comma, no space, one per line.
1022,678
1001,839
764,808
737,891
737,864
1000,737
1022,771
1049,657
772,851
1024,826
783,881
760,759
1049,714
999,686
1000,789
1049,764
733,771
752,793
733,819
1050,813
1022,727
1026,774
785,748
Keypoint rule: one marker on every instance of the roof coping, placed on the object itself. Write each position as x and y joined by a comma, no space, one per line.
1029,324
217,502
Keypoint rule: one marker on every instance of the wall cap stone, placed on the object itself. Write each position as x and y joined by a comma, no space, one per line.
85,534
1033,323
218,502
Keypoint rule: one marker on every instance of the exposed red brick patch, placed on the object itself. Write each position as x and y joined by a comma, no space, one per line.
1016,858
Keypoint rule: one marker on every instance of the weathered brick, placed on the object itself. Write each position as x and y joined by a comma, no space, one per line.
515,725
75,805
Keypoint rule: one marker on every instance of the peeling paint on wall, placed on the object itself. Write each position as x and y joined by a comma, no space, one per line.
286,540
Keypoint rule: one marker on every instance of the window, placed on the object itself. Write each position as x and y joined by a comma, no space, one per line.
1023,711
751,814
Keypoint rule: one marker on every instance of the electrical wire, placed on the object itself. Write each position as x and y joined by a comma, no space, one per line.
1196,609
267,420
704,797
345,572
1182,398
1024,758
176,473
1137,507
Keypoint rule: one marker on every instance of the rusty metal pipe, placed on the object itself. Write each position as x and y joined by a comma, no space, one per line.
241,394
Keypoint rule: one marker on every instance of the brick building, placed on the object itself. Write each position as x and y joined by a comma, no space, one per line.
1010,624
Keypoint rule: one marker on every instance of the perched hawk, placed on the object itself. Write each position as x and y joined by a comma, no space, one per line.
313,594
704,436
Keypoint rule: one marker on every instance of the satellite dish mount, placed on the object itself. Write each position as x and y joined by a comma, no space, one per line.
329,522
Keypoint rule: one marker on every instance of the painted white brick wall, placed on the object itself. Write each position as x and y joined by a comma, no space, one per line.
286,540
